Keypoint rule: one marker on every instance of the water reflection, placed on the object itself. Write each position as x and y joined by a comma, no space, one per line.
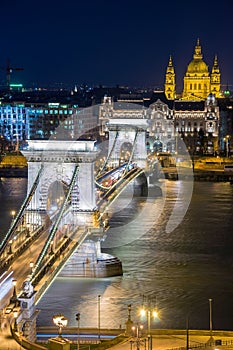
182,268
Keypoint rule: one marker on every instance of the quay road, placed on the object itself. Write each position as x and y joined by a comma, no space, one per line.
163,339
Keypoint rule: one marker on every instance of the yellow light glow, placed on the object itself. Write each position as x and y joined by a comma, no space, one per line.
14,282
155,313
143,312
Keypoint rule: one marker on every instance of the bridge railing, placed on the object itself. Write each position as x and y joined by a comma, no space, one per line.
10,258
56,224
119,185
54,266
21,211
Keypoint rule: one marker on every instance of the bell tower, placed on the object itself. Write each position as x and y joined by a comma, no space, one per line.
170,85
215,78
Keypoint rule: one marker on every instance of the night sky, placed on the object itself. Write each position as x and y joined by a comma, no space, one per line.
112,42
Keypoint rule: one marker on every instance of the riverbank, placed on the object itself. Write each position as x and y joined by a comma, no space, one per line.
205,168
13,171
13,165
161,338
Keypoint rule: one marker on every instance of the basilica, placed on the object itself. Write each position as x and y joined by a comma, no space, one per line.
198,81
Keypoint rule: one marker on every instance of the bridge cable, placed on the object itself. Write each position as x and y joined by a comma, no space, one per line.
110,153
21,211
56,224
132,153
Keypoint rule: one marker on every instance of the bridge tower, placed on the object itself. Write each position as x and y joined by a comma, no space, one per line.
130,131
57,161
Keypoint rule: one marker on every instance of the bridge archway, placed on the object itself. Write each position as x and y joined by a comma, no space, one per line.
127,132
56,194
59,160
125,151
158,146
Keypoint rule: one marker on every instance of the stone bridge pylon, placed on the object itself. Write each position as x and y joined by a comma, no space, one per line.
56,162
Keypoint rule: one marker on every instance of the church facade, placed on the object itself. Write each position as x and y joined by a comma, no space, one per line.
199,82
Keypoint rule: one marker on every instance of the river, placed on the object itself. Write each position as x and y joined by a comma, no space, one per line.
180,269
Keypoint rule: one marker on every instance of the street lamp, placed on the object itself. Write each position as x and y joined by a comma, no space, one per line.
149,311
78,319
10,247
13,214
60,321
31,267
211,323
51,248
226,140
210,341
138,335
14,296
99,298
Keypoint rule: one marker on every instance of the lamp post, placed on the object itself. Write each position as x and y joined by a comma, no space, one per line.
148,311
14,296
10,247
187,332
13,214
99,298
78,319
31,267
226,140
211,324
60,321
138,335
210,341
51,248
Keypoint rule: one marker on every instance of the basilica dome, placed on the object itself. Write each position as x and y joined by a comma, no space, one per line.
197,66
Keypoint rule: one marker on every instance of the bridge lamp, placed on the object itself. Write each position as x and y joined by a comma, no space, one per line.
10,247
78,319
143,312
14,296
60,321
31,266
51,248
99,299
13,214
149,312
15,314
137,328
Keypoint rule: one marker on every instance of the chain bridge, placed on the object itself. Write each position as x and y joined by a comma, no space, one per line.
65,214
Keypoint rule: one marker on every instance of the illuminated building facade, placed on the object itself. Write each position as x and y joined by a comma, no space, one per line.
53,120
62,122
14,122
197,123
161,130
198,81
